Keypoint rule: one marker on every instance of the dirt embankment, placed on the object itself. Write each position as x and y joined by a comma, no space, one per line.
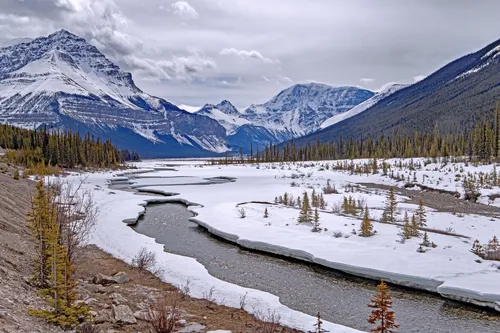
135,296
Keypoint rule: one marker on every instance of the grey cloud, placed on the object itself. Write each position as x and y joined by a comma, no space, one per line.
336,42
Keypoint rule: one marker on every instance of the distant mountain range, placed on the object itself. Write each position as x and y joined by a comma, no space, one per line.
454,98
63,81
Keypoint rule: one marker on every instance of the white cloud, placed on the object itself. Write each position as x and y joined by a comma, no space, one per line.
246,54
419,78
367,80
184,10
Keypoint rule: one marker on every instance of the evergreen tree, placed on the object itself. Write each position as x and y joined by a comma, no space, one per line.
493,245
382,315
38,220
318,327
421,215
414,226
322,203
316,227
390,206
425,240
305,215
407,231
366,228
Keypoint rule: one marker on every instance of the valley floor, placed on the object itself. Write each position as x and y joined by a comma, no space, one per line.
449,268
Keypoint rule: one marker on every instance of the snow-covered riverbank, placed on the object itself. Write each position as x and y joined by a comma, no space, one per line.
449,269
116,238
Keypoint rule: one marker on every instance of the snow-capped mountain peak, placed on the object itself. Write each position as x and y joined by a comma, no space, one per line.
226,114
65,81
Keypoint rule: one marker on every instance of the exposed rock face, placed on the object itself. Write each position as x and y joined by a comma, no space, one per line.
122,314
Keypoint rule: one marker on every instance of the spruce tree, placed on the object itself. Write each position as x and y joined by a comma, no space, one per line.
305,215
38,221
314,199
366,228
493,245
390,206
414,226
318,327
407,231
425,240
382,315
316,227
421,215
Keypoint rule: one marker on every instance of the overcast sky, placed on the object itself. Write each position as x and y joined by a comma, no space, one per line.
203,51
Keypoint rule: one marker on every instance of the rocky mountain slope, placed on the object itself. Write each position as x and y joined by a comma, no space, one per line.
454,98
64,81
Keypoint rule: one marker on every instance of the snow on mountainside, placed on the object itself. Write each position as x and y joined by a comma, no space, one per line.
63,80
388,90
485,61
226,114
302,108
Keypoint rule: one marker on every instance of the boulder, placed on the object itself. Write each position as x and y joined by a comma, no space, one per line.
103,279
120,277
123,315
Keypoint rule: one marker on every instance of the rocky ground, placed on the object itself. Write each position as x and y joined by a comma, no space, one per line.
120,297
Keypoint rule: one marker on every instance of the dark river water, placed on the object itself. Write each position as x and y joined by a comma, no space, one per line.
308,288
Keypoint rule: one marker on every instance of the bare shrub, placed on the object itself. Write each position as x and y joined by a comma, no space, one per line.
243,301
270,320
209,295
165,314
185,289
144,260
242,213
76,213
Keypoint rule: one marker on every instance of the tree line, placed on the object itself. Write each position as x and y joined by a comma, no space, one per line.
66,149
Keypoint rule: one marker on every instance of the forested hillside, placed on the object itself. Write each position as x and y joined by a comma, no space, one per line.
65,149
